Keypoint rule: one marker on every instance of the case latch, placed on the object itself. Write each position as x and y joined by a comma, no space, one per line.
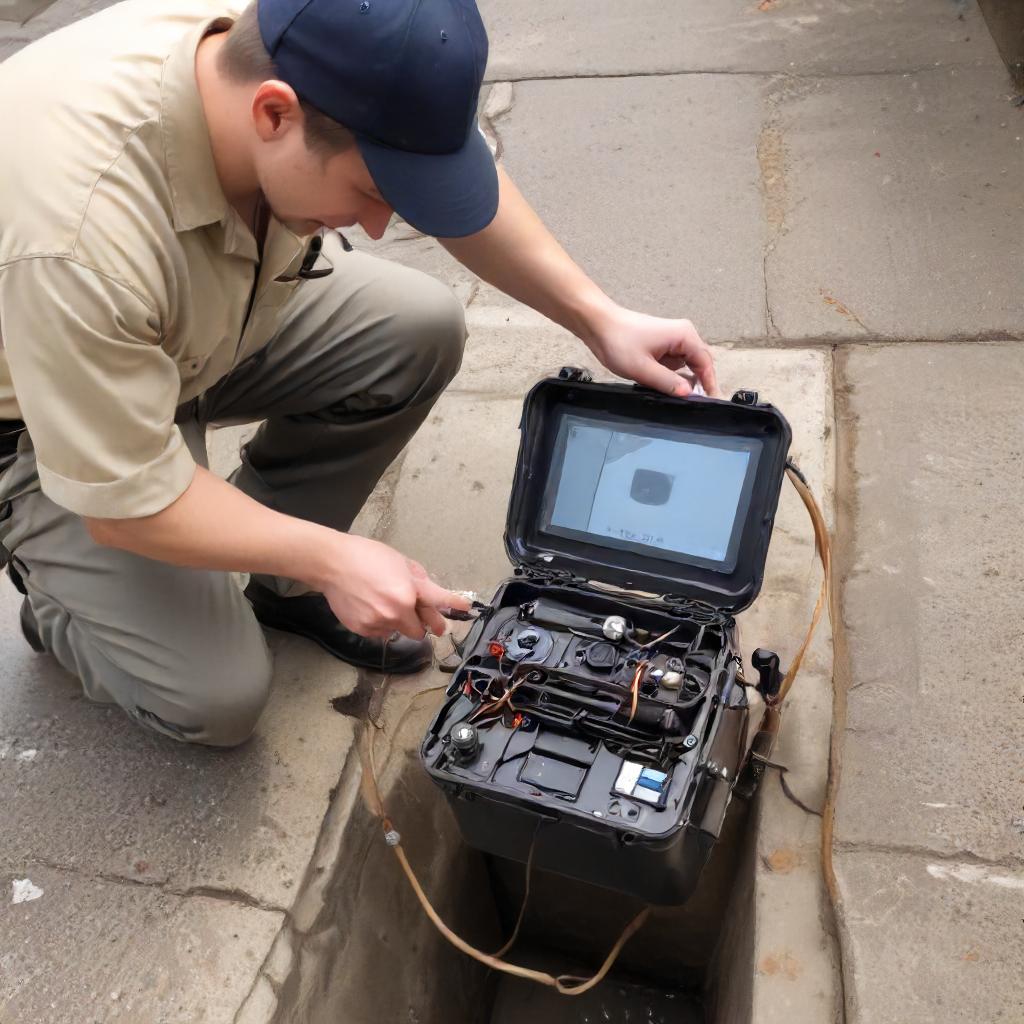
575,373
744,397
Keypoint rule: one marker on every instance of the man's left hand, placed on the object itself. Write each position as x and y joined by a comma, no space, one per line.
659,353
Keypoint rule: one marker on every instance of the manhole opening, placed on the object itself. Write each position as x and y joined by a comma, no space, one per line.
377,957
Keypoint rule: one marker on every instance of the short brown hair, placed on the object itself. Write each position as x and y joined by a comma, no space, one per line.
244,58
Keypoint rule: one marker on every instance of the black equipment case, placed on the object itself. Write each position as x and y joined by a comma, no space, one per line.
599,715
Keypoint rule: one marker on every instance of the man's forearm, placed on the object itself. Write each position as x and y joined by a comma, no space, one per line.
518,254
215,526
373,589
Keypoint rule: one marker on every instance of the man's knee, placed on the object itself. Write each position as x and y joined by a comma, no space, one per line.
221,705
432,326
228,716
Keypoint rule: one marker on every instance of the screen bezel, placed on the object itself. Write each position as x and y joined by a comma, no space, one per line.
578,560
686,435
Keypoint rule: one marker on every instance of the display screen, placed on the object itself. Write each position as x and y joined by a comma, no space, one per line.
675,494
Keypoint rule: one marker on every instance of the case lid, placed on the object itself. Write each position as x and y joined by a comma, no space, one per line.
626,487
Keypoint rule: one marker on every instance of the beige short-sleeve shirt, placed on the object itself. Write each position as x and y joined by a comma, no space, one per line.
128,284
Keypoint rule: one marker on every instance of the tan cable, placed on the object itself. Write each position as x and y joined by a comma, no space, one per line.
541,977
826,599
522,906
824,550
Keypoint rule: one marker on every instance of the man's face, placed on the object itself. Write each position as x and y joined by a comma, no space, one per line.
307,190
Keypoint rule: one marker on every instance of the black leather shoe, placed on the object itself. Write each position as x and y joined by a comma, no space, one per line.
30,629
310,616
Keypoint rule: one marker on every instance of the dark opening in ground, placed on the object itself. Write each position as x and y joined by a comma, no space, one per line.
374,956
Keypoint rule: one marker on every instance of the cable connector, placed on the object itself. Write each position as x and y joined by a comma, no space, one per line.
790,464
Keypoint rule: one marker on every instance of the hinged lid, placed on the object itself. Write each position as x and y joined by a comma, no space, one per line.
626,487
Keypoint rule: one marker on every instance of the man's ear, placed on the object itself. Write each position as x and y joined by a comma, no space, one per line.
275,110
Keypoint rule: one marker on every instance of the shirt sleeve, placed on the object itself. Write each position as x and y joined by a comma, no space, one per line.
97,392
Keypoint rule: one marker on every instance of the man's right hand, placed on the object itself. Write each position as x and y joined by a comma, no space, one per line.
376,591
372,588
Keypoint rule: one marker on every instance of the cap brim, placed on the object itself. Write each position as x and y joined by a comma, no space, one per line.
447,196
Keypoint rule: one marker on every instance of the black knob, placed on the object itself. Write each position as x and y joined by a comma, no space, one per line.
528,639
601,656
766,664
465,740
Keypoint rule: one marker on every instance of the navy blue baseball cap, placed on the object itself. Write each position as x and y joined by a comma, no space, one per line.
404,77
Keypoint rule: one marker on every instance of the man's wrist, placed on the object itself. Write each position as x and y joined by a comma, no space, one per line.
593,316
316,552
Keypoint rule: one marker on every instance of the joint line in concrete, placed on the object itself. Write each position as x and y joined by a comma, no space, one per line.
238,896
742,73
927,853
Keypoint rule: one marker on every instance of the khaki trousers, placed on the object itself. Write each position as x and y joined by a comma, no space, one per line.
358,361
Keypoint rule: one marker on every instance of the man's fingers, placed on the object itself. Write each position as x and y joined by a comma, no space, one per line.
703,365
409,624
448,599
430,594
417,570
660,378
700,360
674,362
431,619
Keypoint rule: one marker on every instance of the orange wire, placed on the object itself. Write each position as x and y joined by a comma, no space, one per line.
636,688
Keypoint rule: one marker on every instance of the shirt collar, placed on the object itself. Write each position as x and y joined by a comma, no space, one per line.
197,198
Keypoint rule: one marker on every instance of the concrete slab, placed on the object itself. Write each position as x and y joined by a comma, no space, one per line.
449,506
932,940
103,798
571,38
90,950
891,195
647,186
931,603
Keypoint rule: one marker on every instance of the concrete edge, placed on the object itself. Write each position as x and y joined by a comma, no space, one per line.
796,970
269,988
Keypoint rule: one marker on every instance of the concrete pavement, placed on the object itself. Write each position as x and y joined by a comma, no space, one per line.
821,187
930,830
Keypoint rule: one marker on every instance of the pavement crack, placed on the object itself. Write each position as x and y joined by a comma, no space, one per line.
810,76
769,318
233,895
927,853
771,162
859,340
484,393
239,896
